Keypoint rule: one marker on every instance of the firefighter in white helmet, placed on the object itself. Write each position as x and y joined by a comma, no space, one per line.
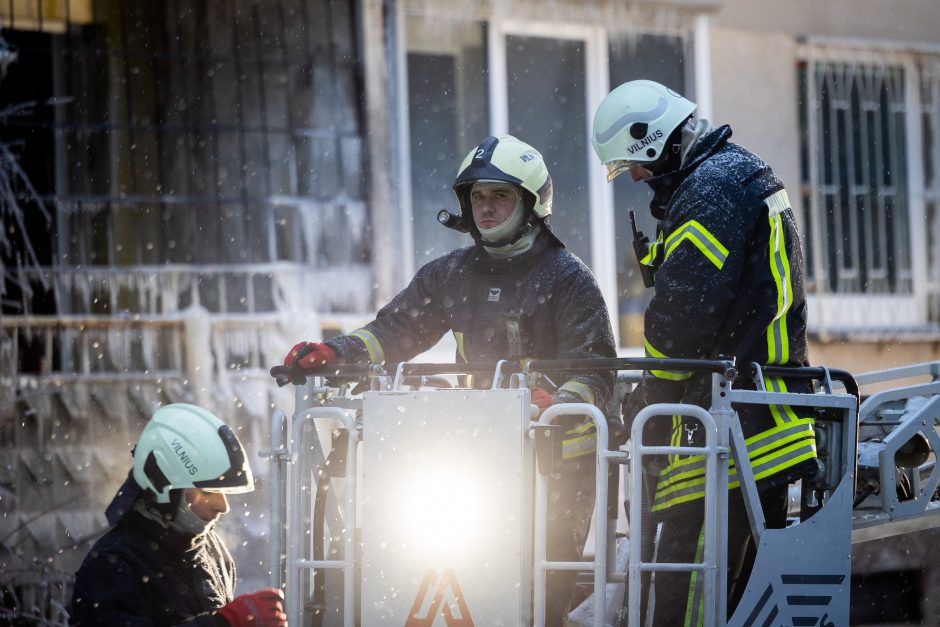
728,272
517,293
161,562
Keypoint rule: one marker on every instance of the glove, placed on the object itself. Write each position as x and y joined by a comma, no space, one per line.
542,399
258,609
310,355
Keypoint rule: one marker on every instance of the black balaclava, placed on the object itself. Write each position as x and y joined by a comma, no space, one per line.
669,162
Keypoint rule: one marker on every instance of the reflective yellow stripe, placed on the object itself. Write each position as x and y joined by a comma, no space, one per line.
376,354
778,341
700,237
782,414
581,445
581,389
694,490
655,250
770,440
458,335
675,438
669,375
770,453
585,426
694,604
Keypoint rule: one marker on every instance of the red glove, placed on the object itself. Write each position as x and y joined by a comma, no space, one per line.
257,609
542,399
310,355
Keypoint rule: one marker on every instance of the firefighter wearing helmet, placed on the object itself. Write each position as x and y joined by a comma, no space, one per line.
517,293
727,267
162,562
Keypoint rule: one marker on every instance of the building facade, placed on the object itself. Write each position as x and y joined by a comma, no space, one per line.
210,182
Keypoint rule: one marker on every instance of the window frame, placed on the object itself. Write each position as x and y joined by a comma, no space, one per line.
601,196
840,313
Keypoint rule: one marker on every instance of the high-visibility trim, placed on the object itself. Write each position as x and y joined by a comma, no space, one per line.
778,202
653,253
584,427
581,389
376,353
695,476
694,605
769,454
675,437
693,490
757,445
458,335
701,238
782,414
581,445
778,341
669,375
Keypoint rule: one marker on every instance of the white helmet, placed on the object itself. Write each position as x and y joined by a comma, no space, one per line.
505,158
184,446
633,123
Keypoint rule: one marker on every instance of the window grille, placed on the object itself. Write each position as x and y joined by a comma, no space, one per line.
855,177
930,107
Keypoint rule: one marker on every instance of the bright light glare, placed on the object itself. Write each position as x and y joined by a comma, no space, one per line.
444,510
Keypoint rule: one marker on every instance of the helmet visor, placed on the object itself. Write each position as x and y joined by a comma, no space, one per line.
616,168
237,479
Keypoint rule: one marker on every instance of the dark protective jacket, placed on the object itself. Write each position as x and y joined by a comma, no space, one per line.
141,574
541,304
729,282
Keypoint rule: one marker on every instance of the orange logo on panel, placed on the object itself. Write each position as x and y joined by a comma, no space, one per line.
448,581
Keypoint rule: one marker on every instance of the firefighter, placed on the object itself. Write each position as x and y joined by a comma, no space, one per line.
516,293
728,273
161,562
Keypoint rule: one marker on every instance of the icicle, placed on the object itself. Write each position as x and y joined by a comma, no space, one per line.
357,219
199,366
82,284
310,213
116,347
149,347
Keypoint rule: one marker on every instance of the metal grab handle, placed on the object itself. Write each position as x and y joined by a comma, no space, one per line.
724,367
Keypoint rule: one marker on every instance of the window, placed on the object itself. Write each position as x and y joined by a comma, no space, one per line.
869,168
858,213
447,116
930,103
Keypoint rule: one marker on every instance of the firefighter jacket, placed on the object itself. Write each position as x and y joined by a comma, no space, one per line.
541,304
728,283
140,573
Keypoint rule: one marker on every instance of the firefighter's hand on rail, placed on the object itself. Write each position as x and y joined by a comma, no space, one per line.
310,355
262,608
541,399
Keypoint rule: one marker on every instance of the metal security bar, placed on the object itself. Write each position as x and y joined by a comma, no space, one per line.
930,111
855,173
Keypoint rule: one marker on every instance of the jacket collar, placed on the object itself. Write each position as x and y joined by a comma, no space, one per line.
167,537
665,184
495,265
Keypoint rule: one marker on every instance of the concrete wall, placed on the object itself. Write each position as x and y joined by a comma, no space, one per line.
910,21
754,90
